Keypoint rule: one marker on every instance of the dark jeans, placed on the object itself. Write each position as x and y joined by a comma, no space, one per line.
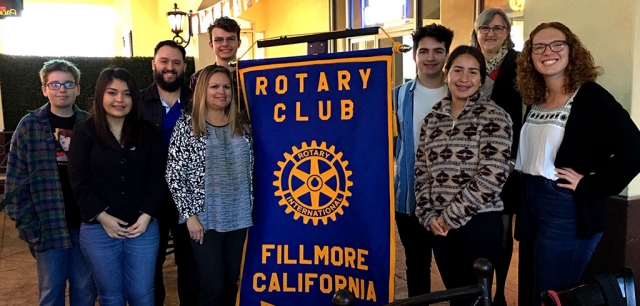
219,258
417,250
552,256
455,253
188,277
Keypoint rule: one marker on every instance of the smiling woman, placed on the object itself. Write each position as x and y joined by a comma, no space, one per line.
565,190
47,29
462,162
115,167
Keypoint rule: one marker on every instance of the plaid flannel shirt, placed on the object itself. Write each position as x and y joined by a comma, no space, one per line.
38,208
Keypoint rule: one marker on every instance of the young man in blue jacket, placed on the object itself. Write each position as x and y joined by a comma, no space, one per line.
413,101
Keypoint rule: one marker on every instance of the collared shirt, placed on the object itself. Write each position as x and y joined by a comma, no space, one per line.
169,119
38,208
154,110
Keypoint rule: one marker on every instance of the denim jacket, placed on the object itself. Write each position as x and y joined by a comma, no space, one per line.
405,199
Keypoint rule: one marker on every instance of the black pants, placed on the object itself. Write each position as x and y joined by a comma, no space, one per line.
188,277
455,254
219,258
417,249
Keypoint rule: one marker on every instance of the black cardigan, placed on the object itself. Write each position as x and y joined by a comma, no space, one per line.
124,182
599,138
504,93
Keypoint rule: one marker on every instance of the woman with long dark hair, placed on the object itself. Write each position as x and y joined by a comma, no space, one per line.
462,162
578,147
115,170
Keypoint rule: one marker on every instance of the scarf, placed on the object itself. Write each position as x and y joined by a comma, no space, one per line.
495,61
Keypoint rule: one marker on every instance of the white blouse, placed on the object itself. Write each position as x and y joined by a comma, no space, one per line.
540,139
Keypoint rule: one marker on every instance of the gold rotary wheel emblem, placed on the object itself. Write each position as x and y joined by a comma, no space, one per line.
313,183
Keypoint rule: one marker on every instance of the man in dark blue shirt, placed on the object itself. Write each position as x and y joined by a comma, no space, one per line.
162,104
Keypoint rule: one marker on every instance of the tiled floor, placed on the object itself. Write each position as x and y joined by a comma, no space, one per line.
19,282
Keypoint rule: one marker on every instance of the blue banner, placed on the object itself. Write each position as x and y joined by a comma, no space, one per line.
323,212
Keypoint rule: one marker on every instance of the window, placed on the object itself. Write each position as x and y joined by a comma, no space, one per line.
46,29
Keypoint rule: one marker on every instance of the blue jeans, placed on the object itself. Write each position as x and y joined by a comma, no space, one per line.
55,267
552,256
123,268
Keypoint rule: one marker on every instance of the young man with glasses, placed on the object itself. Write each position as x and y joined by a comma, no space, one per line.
224,40
46,214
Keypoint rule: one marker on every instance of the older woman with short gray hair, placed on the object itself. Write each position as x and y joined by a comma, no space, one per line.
492,35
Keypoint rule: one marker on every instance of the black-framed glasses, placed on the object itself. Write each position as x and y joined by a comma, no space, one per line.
555,46
496,29
56,85
230,39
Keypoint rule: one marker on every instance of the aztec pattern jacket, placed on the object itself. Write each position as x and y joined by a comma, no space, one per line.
38,208
186,167
463,162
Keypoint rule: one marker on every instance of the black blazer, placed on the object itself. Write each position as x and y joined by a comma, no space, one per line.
599,138
504,93
122,181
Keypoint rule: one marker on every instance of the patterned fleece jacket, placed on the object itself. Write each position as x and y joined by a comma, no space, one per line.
463,162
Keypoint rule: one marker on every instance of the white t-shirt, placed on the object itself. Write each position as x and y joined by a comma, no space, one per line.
423,100
540,139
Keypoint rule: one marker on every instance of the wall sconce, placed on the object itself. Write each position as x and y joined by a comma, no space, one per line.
176,20
516,5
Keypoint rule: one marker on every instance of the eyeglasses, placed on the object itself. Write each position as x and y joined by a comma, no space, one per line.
495,29
56,86
230,39
555,46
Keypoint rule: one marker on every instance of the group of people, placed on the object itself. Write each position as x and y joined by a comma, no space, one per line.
99,194
486,132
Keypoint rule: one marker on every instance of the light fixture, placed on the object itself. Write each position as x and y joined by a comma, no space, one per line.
516,5
176,20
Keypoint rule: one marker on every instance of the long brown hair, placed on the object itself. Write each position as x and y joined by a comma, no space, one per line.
199,109
132,131
580,69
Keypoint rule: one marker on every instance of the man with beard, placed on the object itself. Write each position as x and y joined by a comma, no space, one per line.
162,104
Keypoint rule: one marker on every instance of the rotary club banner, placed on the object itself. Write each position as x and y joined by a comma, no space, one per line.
323,210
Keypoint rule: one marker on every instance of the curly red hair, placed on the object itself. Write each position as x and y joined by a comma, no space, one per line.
580,69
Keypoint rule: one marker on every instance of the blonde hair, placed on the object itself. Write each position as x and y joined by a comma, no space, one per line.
199,109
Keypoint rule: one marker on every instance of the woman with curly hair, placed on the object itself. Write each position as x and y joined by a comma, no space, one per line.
578,146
